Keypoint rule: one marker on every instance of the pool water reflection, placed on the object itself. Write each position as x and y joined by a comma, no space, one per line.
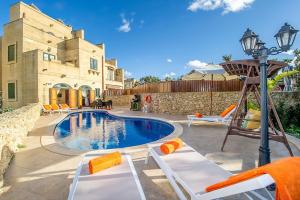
93,130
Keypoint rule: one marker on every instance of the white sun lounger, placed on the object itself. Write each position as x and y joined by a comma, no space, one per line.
191,170
225,120
118,182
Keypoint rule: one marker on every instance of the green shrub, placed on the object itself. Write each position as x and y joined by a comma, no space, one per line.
252,105
290,117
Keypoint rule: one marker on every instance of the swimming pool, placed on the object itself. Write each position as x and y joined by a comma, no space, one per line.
92,130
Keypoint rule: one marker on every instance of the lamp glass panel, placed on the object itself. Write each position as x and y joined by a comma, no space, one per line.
285,39
278,38
292,38
243,45
248,43
253,42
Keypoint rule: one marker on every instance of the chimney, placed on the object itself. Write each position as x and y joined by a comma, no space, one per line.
78,34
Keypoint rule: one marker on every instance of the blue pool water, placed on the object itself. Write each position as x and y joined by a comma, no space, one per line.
93,130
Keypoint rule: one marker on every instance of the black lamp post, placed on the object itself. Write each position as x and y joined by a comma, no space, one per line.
253,46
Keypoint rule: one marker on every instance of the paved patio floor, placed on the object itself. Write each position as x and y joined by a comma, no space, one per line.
37,173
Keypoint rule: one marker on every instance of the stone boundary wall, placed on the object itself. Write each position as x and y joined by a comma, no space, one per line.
191,102
123,100
183,102
14,126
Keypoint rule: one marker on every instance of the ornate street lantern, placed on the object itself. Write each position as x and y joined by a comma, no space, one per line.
286,37
248,41
259,44
255,47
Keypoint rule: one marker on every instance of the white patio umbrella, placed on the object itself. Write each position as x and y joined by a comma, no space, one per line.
211,69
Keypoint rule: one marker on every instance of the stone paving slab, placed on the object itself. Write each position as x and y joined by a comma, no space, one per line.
37,173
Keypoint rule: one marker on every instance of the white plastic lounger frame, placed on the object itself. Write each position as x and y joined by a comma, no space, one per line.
120,181
225,120
67,110
176,177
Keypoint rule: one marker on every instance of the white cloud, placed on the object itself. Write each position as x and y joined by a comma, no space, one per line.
289,52
171,74
125,27
169,60
196,64
227,5
142,23
127,74
203,66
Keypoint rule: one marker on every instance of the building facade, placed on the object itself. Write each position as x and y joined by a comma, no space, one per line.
114,76
44,60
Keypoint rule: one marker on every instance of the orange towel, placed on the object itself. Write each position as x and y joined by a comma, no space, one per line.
199,115
104,162
47,107
171,146
227,110
285,172
55,106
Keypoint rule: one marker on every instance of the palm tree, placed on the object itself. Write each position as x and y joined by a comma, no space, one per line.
227,58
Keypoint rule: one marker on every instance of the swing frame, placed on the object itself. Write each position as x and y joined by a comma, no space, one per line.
250,69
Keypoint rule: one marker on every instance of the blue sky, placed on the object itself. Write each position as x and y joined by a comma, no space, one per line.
170,37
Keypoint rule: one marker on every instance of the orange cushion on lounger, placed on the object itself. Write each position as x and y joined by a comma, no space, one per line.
171,146
104,162
285,172
199,115
47,107
55,106
227,110
64,106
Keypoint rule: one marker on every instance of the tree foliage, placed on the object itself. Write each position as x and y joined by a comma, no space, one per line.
272,83
227,58
149,79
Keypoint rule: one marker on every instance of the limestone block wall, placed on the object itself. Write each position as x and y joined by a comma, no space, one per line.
14,126
123,100
191,102
183,102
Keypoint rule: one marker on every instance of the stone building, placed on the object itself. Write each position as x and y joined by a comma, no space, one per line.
44,60
129,83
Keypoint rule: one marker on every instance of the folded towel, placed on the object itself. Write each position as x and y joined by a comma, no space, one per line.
199,115
285,172
171,146
104,162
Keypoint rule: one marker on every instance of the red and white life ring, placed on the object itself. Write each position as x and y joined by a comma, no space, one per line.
148,99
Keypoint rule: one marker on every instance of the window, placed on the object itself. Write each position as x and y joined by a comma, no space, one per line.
11,90
11,53
110,75
97,92
48,57
93,64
